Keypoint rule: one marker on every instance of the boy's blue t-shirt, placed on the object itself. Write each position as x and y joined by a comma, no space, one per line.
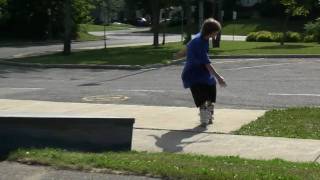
194,71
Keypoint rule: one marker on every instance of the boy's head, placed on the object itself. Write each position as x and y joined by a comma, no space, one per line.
210,28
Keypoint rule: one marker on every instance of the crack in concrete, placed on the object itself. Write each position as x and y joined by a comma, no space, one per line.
317,158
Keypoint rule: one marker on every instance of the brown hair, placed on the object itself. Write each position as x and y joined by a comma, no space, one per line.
209,26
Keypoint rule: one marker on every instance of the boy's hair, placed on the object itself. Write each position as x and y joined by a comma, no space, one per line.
209,26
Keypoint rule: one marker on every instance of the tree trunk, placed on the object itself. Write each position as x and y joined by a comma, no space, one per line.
284,29
189,21
67,27
155,21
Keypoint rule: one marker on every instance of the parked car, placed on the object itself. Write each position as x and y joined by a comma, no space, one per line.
141,21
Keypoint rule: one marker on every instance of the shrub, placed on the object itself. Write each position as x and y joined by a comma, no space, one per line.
293,37
264,36
313,28
309,38
277,36
252,37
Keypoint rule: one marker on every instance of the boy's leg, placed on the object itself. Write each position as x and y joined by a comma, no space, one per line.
211,110
205,115
212,100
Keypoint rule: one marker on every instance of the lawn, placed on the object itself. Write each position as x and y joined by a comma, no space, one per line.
170,165
255,48
139,55
144,55
111,27
245,26
291,123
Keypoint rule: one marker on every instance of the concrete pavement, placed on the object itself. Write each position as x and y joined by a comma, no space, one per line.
175,129
16,171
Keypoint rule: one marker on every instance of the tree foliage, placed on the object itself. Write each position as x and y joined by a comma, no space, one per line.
313,28
41,19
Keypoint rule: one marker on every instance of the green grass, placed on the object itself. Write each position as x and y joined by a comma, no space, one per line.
292,123
245,26
112,27
143,55
140,55
172,166
252,48
85,36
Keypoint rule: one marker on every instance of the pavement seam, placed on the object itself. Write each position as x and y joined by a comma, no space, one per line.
161,129
317,158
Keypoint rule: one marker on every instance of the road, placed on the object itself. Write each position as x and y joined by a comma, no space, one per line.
115,38
252,83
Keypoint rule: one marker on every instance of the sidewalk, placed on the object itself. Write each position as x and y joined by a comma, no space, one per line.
175,129
16,171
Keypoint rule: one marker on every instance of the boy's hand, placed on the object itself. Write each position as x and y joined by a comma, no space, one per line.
222,82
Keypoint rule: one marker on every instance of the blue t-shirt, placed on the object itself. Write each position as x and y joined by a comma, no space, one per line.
194,71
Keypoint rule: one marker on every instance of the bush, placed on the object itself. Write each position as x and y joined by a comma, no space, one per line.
277,36
260,36
252,37
293,37
309,38
264,36
313,28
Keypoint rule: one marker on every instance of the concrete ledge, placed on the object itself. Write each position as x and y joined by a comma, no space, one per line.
72,133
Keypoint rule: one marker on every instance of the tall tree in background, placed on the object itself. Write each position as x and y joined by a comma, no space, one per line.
67,27
41,19
155,21
188,12
292,8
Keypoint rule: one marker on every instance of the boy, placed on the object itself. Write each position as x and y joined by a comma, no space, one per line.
198,73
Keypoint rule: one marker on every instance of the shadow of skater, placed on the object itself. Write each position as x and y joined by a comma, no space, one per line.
172,141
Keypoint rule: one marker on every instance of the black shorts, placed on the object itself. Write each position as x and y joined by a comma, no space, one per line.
202,93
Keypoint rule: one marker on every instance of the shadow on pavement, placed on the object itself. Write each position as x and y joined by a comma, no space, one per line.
173,140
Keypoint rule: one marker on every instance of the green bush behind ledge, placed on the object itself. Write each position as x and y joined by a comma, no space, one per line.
267,36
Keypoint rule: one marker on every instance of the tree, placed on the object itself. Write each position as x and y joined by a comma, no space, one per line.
292,8
313,28
3,12
155,21
67,27
187,10
36,19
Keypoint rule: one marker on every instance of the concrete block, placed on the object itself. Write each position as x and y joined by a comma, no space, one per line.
91,134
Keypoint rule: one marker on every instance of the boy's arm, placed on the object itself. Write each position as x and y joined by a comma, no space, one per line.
213,72
182,53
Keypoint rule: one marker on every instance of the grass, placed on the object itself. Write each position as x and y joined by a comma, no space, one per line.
245,26
292,123
254,48
171,166
112,27
140,55
85,36
144,55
